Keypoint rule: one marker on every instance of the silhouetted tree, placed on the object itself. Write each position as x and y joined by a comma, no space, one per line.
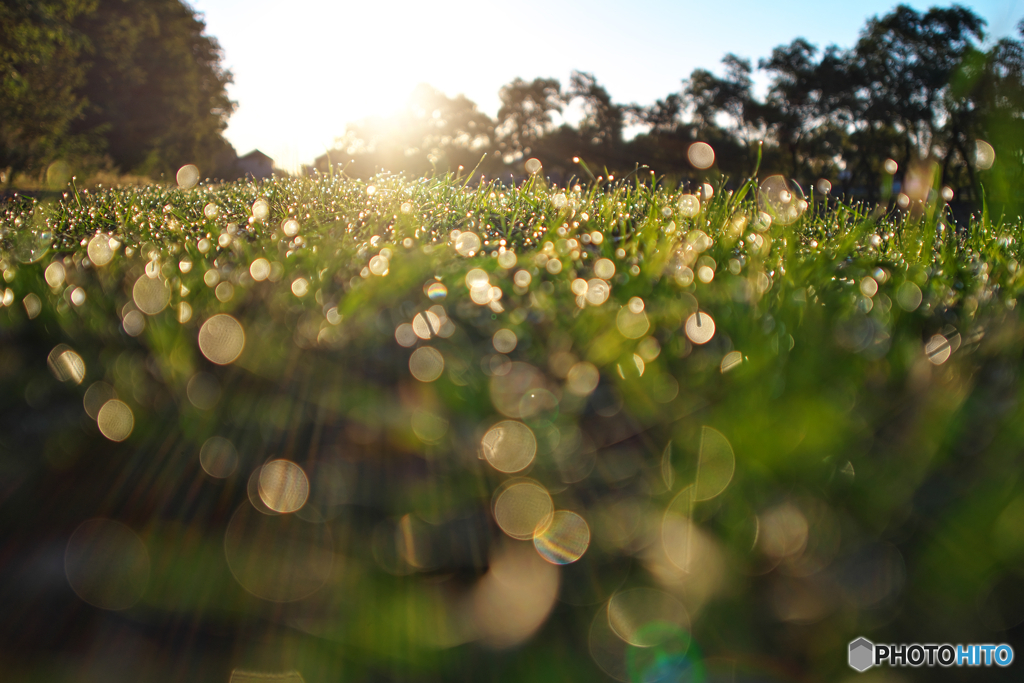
915,88
602,119
664,116
525,114
902,67
40,75
155,86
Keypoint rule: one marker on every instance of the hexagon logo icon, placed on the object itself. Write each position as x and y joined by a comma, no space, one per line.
862,654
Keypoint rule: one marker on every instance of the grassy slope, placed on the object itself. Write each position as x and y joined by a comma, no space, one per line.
875,489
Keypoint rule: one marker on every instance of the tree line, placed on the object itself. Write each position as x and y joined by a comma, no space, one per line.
134,85
917,89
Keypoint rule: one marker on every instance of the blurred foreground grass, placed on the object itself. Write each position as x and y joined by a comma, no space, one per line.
322,430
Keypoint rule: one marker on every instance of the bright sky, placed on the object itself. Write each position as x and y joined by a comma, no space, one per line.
304,68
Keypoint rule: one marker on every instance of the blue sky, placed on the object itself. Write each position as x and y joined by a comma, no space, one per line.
304,68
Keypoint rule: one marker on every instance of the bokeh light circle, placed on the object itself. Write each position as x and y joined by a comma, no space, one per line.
280,558
701,155
107,564
509,446
99,250
187,176
218,457
781,199
523,508
565,539
151,295
644,617
700,328
221,339
115,420
66,365
426,364
283,486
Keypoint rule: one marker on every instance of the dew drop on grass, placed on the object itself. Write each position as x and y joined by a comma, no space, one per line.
689,206
533,166
781,199
260,209
890,166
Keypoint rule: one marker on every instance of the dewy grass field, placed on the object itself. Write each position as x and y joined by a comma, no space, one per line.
321,430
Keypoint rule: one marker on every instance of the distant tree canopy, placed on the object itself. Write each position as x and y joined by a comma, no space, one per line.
136,80
40,78
916,88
